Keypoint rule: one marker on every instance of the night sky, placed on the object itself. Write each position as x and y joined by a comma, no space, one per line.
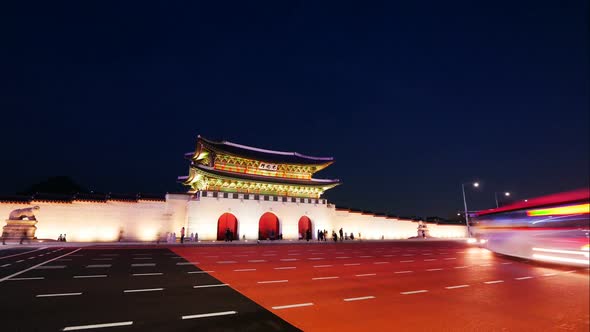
411,98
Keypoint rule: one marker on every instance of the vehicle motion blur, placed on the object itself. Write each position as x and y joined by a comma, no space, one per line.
553,228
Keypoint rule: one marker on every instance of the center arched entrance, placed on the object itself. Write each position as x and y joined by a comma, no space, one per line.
304,226
225,222
268,227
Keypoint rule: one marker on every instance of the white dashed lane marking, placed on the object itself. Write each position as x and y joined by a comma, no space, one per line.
91,276
324,278
187,263
292,306
414,292
523,278
352,264
461,267
549,274
458,286
5,265
147,274
272,281
430,260
434,270
256,261
152,264
60,294
31,278
244,270
96,326
289,259
212,314
285,268
493,282
403,272
381,263
97,266
359,298
143,290
406,261
323,265
50,267
365,275
198,272
213,285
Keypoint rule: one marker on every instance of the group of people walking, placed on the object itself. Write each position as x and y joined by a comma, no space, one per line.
323,235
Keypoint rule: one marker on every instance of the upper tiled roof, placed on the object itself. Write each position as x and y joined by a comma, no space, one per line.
249,152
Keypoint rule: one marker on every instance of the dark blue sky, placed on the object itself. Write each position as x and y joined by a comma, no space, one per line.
411,99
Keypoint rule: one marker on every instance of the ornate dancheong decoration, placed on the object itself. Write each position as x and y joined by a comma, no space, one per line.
230,167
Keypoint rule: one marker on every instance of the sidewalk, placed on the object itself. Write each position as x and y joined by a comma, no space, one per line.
53,243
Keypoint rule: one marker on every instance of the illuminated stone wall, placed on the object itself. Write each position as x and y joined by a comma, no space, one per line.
143,220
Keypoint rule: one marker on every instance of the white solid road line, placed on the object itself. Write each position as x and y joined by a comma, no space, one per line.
143,264
272,281
143,290
92,266
292,306
23,253
359,298
31,278
213,285
60,294
523,278
147,274
493,282
213,314
458,286
403,272
91,276
40,264
365,275
324,278
198,272
414,292
285,268
244,270
96,326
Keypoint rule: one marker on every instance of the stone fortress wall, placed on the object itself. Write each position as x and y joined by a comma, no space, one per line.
143,220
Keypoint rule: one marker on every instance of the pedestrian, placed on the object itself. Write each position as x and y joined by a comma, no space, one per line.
120,234
308,235
192,238
341,235
182,235
352,236
60,238
334,236
196,237
174,237
64,238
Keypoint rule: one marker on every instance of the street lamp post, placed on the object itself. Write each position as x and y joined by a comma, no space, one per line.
475,184
496,196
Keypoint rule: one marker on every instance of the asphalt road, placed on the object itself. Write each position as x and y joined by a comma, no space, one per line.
370,286
126,289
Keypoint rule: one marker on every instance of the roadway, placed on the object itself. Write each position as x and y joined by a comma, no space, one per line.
413,285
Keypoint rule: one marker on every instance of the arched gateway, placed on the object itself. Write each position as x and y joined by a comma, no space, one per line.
268,227
227,220
304,226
